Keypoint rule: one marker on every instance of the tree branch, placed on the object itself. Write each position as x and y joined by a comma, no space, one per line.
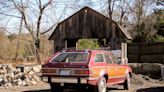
45,5
6,30
22,12
10,15
55,23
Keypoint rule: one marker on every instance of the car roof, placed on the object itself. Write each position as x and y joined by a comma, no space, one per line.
93,51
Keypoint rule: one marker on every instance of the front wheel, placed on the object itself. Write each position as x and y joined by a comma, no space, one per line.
126,84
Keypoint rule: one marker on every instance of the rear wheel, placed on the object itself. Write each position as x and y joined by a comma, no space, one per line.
56,87
101,87
92,88
126,84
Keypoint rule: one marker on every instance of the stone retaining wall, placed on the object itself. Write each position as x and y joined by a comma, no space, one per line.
153,70
14,76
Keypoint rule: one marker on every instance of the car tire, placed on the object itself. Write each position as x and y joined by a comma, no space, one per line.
56,87
92,88
101,86
126,84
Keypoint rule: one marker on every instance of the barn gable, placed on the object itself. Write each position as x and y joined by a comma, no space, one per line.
88,23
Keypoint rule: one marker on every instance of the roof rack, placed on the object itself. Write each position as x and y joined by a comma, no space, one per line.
74,48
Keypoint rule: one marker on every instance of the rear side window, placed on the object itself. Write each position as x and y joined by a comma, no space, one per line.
114,58
99,58
108,59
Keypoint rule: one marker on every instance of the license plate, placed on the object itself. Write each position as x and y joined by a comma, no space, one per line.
65,72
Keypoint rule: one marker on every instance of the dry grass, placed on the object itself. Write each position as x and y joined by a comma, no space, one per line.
17,63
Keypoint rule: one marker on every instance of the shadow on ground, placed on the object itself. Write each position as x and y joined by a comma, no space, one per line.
68,90
48,90
45,90
152,89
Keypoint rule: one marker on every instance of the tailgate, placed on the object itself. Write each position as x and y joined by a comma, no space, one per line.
69,72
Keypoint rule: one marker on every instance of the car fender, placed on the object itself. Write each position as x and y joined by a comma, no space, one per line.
102,72
128,70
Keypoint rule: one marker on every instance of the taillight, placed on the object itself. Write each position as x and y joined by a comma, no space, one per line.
82,72
48,70
87,72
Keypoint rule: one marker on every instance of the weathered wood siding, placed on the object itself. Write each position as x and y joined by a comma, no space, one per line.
87,24
146,53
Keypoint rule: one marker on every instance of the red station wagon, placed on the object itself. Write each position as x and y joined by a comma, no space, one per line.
94,70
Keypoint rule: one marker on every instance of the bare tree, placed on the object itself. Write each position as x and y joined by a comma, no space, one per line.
141,13
18,41
123,8
111,5
38,17
21,7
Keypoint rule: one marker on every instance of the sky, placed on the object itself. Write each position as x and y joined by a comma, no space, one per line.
56,12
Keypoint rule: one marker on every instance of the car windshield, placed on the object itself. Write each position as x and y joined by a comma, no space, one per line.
71,57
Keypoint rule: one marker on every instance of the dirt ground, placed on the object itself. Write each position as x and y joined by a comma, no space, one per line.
139,83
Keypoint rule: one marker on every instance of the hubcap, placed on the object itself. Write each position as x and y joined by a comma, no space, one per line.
128,80
102,86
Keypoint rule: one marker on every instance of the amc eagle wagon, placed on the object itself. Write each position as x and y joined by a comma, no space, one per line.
94,70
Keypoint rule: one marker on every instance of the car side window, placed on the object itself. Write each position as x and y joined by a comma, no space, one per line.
114,58
99,58
108,59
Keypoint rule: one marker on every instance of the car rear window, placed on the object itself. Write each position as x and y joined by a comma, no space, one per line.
71,57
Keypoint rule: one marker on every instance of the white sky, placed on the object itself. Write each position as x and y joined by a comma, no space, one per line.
53,12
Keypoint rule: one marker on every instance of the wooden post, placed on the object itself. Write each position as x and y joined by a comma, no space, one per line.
124,53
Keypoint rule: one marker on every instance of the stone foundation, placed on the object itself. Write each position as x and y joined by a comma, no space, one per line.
153,70
19,76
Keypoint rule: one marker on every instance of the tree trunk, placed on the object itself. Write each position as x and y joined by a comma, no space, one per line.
110,8
121,18
18,41
37,45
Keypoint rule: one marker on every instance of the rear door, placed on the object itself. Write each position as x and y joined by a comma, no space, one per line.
111,69
98,65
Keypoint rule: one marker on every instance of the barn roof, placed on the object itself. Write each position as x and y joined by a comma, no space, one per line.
124,32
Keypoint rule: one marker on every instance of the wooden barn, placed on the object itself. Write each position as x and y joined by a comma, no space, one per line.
88,24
